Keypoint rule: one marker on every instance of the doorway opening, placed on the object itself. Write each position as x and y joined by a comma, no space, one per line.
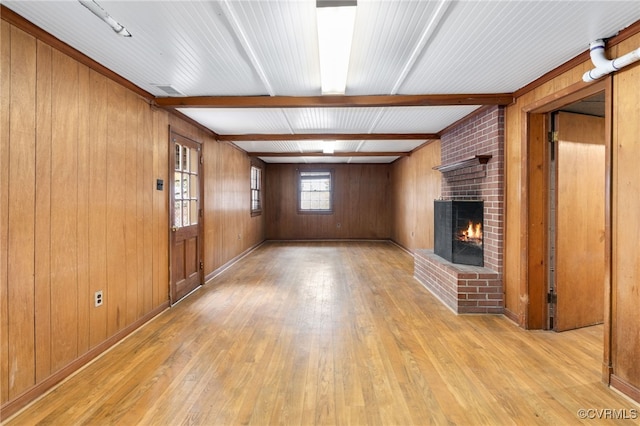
568,216
576,215
542,262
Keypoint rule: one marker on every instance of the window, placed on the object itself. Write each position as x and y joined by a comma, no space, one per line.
256,190
315,191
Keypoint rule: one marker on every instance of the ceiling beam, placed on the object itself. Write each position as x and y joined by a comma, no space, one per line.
331,136
336,101
335,154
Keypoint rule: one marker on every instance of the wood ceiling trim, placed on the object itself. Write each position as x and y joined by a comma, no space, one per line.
335,154
328,101
324,136
28,27
623,35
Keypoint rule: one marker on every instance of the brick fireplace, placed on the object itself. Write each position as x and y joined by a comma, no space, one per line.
472,170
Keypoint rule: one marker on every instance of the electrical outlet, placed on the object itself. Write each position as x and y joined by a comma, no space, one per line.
97,298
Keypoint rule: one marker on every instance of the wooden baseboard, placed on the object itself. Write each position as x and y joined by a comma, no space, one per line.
15,405
625,388
227,265
510,315
402,247
607,371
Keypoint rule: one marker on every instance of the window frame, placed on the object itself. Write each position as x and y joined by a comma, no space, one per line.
330,172
258,190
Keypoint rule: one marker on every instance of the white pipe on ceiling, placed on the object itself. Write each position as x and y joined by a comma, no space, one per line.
604,66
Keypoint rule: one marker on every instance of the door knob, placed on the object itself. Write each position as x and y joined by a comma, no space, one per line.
174,229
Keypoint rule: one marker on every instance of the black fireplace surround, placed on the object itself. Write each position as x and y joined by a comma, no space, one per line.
458,231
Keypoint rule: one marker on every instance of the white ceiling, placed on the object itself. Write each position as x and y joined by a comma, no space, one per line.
269,48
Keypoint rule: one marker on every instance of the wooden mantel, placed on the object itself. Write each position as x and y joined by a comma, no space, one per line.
466,162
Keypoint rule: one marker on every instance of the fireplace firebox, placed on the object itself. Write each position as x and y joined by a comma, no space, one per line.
458,231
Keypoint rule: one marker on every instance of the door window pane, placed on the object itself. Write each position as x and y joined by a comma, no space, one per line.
185,158
186,186
185,213
193,218
177,208
194,187
194,161
178,157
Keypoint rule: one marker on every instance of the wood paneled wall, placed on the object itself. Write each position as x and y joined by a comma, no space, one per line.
362,203
414,187
624,327
79,212
230,230
625,331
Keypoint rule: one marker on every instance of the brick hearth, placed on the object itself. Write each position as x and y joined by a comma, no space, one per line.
465,289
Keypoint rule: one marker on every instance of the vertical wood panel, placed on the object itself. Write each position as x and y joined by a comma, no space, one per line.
626,226
162,209
428,187
155,235
404,201
145,208
97,200
43,215
85,302
157,202
415,186
209,190
5,87
537,267
21,244
115,296
130,206
64,205
513,225
140,198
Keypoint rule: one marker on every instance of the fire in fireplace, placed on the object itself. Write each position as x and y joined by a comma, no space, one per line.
458,231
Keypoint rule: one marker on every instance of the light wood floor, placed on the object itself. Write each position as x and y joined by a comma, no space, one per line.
332,333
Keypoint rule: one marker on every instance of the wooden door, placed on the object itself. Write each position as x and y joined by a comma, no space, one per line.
580,221
186,214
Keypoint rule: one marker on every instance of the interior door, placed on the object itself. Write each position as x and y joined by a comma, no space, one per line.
580,220
186,214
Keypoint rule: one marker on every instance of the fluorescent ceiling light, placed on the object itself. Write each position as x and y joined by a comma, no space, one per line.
97,10
335,31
